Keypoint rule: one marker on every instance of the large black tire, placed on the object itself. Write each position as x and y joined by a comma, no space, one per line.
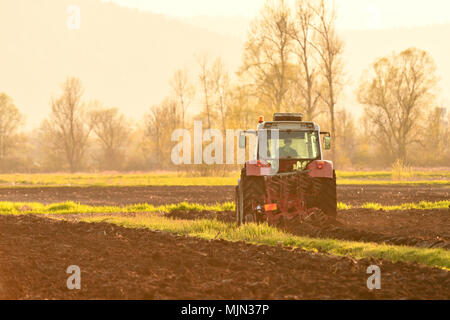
237,206
253,190
326,198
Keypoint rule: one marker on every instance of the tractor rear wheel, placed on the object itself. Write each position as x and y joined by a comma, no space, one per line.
253,191
325,199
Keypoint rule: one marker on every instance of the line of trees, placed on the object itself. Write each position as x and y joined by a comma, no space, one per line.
292,61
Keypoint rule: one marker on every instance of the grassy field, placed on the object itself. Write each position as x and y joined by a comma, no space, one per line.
422,205
251,233
182,179
69,207
389,175
262,234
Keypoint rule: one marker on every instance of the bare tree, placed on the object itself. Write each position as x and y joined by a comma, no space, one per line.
183,90
347,138
446,134
10,121
159,123
302,32
397,92
220,84
435,142
242,112
330,49
267,55
205,82
67,126
112,131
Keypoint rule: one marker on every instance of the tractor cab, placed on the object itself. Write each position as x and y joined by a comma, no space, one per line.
287,179
287,143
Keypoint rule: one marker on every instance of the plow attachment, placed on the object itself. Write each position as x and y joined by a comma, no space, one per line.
279,200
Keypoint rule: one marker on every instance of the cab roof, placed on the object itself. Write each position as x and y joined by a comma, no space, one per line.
291,116
289,125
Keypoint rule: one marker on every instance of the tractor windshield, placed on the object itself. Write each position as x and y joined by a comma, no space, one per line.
292,144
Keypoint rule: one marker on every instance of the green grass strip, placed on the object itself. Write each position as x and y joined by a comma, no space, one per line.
70,207
343,206
266,235
422,205
387,175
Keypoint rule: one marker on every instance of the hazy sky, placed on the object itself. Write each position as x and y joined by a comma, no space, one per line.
124,71
353,14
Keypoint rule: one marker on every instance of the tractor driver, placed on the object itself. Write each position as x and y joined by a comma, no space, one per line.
287,151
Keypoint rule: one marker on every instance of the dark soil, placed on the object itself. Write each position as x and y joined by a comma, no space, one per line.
119,263
354,195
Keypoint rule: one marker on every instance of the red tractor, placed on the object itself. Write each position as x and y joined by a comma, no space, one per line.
288,180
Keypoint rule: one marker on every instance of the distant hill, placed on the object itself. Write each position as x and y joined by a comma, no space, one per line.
231,26
125,57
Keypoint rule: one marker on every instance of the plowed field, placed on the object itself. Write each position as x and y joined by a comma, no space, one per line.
121,263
